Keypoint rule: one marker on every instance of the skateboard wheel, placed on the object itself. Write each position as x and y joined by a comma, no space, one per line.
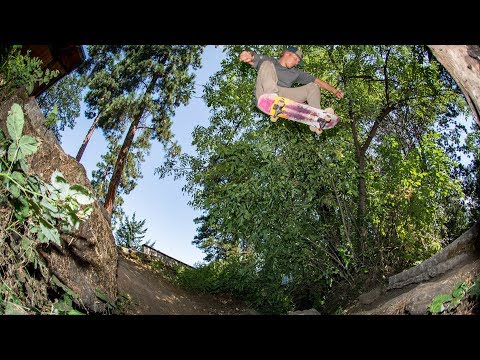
273,118
328,111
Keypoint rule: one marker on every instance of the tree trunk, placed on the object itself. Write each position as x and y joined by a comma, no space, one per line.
362,188
360,152
122,156
87,138
120,164
463,64
362,191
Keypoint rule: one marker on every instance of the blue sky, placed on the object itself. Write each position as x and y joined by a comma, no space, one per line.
162,203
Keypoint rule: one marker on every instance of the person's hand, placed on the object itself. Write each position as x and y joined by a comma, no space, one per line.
339,94
246,56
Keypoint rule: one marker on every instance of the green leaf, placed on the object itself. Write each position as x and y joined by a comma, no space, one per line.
74,312
22,208
27,146
14,190
60,184
29,87
62,306
14,309
81,194
49,207
460,290
13,152
18,177
474,291
27,247
23,165
454,303
87,211
437,306
26,243
15,121
49,233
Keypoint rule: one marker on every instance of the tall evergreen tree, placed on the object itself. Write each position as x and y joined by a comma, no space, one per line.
136,89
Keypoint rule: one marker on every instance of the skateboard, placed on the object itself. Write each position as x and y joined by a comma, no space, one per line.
279,106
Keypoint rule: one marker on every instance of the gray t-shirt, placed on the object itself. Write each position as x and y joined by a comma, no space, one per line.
286,77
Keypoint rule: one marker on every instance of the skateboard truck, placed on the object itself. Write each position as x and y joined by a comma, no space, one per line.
322,122
277,110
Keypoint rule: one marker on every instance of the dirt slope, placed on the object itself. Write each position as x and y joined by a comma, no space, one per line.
152,294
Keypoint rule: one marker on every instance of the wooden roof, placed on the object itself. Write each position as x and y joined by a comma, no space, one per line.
62,57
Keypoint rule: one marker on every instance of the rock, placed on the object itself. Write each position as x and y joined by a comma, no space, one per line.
304,312
371,296
87,259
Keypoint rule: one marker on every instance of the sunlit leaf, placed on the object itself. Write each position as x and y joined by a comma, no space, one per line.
15,122
49,206
437,305
74,312
27,145
13,152
81,194
59,183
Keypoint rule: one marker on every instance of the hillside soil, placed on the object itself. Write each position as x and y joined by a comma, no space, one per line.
151,292
148,292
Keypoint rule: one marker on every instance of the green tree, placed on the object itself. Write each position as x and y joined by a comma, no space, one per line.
62,99
307,205
390,88
103,99
134,90
131,232
470,172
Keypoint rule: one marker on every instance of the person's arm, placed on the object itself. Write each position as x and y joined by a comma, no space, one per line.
328,87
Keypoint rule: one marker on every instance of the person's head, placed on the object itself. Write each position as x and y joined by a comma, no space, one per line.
291,56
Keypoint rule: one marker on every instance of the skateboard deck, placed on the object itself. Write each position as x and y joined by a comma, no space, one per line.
278,106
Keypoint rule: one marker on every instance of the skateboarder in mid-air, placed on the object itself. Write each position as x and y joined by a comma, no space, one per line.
276,76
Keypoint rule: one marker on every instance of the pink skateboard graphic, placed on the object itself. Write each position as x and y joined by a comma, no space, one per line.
278,106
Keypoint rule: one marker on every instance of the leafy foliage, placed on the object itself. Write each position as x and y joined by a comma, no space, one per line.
60,104
374,194
417,192
470,172
448,302
17,70
35,212
238,277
